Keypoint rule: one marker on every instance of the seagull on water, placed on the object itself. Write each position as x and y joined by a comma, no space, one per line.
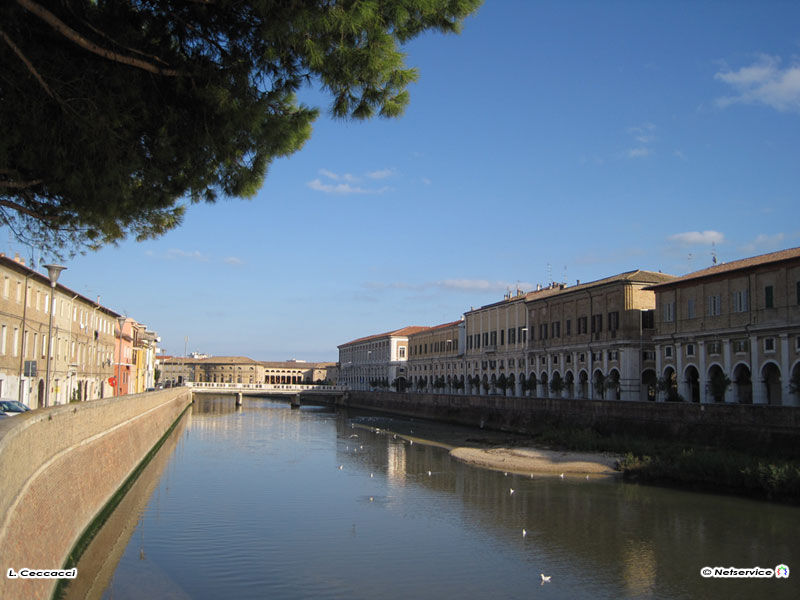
510,491
524,533
341,467
429,473
562,476
545,578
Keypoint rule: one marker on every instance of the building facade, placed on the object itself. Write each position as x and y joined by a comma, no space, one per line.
81,349
436,358
377,360
731,333
495,346
594,340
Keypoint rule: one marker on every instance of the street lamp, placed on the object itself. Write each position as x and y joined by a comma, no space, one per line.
121,323
53,271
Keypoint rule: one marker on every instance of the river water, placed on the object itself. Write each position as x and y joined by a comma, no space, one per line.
264,501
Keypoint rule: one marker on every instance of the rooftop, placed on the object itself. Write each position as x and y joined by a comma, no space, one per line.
736,265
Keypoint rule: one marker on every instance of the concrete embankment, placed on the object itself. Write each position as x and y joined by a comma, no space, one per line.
776,426
60,466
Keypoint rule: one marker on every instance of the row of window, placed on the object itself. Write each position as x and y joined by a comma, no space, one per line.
740,302
740,346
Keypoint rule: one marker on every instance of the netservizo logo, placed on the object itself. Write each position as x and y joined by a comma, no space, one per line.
779,572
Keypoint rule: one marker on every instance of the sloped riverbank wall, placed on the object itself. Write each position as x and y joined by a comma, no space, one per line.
60,466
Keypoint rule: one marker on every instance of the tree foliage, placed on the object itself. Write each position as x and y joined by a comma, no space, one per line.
116,113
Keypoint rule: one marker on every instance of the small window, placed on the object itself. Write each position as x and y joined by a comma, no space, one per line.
714,305
769,297
714,347
669,312
690,311
740,301
741,346
668,351
689,349
769,344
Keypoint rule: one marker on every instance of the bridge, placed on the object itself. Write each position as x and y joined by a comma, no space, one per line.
294,390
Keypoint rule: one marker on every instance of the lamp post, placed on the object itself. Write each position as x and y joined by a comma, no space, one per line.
121,323
53,271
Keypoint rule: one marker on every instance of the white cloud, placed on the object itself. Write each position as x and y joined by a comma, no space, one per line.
764,242
337,177
175,253
343,188
345,183
643,133
639,152
763,82
382,174
233,260
644,136
690,238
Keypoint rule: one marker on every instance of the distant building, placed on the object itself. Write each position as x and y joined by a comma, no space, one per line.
496,346
731,333
436,358
376,360
241,370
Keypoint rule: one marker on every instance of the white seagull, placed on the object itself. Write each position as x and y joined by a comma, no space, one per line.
562,476
524,533
545,578
510,491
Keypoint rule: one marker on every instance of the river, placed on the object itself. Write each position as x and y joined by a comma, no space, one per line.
264,501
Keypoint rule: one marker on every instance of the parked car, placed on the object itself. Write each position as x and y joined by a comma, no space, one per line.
9,408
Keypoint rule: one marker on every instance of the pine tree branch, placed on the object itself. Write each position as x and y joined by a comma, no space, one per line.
75,37
19,185
27,63
25,210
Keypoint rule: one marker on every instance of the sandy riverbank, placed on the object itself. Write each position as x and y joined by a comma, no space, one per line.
539,461
501,451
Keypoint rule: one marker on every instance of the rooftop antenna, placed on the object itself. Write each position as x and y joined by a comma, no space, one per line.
713,253
549,273
690,262
565,274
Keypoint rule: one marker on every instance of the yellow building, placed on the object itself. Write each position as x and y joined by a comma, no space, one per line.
731,333
436,358
82,345
593,340
496,344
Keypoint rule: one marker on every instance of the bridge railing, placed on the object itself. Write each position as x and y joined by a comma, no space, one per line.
265,387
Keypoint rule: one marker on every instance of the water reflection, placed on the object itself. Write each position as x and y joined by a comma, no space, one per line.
97,565
254,505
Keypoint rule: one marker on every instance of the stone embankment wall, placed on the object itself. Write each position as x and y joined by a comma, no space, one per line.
59,467
739,424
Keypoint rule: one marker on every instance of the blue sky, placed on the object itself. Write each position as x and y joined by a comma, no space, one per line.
549,140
